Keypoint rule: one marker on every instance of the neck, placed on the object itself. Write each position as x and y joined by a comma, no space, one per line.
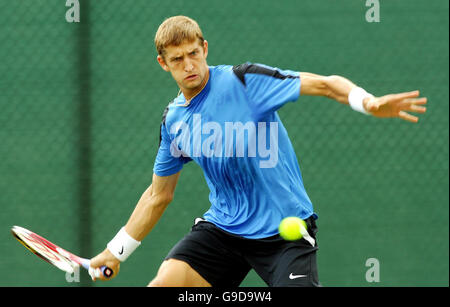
191,93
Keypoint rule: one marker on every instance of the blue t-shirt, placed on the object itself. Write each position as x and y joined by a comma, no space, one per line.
232,130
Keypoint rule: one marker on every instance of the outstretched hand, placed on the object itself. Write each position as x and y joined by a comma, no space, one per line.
397,105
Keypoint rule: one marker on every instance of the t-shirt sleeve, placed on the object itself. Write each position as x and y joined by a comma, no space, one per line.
168,160
268,88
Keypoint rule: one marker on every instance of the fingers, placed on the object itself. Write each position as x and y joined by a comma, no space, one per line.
408,117
416,101
96,262
95,273
417,109
397,105
406,95
414,105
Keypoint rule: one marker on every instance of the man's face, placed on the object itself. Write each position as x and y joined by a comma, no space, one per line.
187,64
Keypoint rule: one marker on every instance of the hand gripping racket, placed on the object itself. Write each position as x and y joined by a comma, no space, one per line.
52,253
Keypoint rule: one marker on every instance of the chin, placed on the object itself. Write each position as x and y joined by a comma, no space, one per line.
193,85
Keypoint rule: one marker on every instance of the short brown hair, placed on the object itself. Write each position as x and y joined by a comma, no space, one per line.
176,30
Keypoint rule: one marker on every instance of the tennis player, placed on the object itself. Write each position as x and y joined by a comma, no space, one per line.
225,120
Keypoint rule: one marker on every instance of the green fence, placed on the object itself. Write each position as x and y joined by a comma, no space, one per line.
81,103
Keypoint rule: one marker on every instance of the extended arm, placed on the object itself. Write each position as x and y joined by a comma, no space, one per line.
146,214
151,206
339,88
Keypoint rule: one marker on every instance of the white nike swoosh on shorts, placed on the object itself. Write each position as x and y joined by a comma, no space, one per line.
292,276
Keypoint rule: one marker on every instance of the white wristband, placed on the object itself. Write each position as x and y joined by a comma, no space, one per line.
356,97
122,245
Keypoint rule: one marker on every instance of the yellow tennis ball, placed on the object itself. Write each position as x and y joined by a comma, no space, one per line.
290,228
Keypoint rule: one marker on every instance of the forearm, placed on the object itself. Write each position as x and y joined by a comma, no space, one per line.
334,87
338,88
146,214
144,217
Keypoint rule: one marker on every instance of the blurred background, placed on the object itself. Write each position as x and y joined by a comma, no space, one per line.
81,104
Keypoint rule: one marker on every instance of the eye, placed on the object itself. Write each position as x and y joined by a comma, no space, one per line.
193,53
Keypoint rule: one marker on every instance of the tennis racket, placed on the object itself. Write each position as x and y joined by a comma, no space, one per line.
52,253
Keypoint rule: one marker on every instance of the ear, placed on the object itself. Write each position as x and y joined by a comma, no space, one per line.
205,48
162,63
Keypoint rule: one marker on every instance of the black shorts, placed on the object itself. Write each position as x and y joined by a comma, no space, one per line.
224,259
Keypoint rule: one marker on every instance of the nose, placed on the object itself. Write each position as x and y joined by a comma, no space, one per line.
188,66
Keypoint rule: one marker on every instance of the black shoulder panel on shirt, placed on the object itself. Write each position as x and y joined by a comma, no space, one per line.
248,68
163,122
166,110
240,70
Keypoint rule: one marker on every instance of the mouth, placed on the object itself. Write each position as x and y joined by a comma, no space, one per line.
191,77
